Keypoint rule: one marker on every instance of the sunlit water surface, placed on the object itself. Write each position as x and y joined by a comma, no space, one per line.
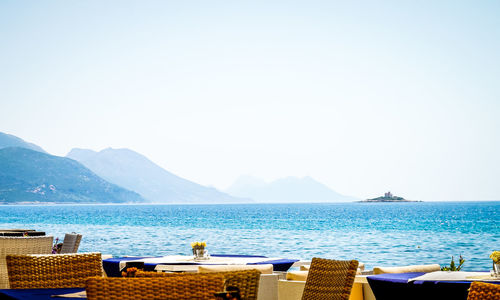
375,233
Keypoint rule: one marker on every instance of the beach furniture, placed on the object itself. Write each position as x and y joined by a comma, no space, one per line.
71,243
301,275
483,291
247,280
272,268
263,269
185,263
266,281
292,289
306,267
330,279
428,286
179,287
53,270
21,245
21,232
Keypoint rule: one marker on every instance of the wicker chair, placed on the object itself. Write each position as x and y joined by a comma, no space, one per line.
247,281
187,287
71,243
21,245
330,279
52,271
483,291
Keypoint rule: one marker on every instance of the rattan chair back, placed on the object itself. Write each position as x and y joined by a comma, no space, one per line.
53,270
330,279
187,287
484,291
21,245
247,281
71,243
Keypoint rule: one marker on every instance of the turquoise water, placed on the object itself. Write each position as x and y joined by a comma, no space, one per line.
374,233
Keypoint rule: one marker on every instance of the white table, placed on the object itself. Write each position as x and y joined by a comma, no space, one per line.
186,263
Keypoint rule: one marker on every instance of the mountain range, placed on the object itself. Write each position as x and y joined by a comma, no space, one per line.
288,189
29,174
133,171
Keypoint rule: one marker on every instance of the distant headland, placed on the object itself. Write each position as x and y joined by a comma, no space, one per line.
388,197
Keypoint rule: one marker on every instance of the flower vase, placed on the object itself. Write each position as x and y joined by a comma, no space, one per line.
201,254
496,269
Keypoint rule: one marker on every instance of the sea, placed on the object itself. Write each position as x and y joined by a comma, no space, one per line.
377,234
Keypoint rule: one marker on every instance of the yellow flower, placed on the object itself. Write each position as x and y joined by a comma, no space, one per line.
197,245
495,256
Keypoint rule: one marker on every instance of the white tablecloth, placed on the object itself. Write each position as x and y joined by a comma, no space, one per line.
454,276
183,259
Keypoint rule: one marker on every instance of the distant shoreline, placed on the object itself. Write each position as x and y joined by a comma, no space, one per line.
4,204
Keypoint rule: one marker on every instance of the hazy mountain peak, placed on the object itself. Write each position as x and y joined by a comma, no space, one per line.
81,153
127,155
286,189
9,140
117,157
136,172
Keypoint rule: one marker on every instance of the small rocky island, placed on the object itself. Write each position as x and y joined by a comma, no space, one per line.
388,197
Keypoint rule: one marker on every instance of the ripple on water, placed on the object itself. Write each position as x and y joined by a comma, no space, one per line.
386,234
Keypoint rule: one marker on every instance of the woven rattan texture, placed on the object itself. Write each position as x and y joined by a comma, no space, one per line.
53,270
484,291
21,245
246,280
71,243
330,279
193,286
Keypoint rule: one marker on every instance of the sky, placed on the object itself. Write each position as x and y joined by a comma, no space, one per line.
363,96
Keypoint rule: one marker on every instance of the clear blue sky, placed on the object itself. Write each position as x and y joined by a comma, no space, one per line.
364,96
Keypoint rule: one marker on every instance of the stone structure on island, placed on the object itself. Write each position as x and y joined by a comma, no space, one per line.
388,197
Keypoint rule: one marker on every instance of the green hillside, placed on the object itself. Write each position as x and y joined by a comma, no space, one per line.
31,176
